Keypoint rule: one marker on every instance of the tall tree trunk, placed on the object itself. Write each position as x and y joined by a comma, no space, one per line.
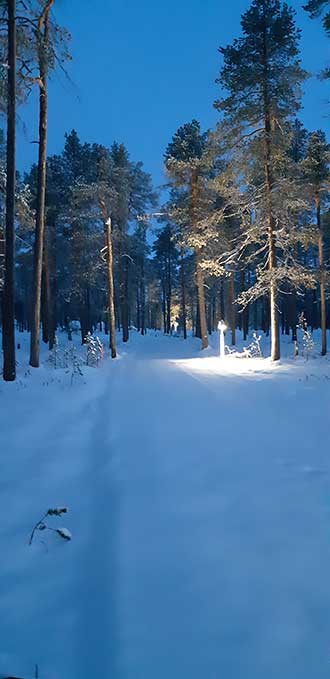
183,294
201,300
199,270
111,303
41,190
9,363
269,182
322,276
198,332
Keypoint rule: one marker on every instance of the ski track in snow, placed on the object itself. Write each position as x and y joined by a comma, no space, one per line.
200,511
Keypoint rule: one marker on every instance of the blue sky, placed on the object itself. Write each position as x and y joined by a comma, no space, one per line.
140,70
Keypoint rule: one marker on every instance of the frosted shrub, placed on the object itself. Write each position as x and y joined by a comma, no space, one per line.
307,339
56,356
67,359
95,350
255,346
253,350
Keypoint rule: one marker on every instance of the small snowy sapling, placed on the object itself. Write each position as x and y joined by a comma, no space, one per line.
307,340
255,346
56,356
253,350
95,351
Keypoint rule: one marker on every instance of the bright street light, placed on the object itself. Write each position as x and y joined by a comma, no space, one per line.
222,327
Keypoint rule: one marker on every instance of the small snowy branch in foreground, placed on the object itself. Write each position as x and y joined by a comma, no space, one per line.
64,533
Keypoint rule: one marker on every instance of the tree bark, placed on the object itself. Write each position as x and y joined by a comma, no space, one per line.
111,303
41,190
274,320
197,319
199,270
9,363
322,275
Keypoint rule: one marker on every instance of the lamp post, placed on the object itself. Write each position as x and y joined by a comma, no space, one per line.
222,328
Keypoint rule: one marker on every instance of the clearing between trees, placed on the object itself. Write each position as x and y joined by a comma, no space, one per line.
198,502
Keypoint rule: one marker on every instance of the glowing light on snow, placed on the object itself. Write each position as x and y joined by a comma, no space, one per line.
231,366
222,328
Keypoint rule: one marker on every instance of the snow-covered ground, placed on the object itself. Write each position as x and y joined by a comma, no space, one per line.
199,505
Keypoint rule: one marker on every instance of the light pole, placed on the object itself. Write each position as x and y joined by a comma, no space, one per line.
222,328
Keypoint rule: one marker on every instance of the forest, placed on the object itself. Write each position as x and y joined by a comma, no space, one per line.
242,234
164,325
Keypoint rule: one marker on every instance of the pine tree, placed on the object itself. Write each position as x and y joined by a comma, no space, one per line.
262,74
317,173
315,8
121,170
166,258
46,48
186,163
297,152
298,143
140,250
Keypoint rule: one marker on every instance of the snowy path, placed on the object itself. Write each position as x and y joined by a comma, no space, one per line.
200,507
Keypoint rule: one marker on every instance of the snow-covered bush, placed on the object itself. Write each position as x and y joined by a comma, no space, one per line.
67,359
95,350
306,337
253,350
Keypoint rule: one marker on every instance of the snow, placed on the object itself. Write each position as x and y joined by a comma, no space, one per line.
64,533
199,495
